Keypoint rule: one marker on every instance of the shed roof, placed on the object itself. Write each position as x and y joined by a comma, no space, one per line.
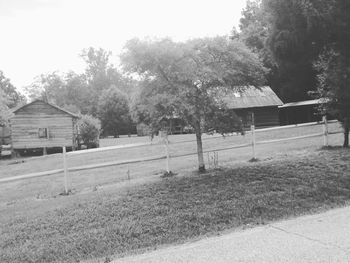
52,105
251,97
303,103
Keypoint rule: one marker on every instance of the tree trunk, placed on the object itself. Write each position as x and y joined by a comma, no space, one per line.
201,166
346,136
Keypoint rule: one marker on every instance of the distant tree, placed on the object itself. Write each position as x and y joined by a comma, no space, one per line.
13,97
89,130
48,87
183,79
113,111
101,75
5,112
77,95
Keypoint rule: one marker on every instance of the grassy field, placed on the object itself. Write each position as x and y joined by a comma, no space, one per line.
130,218
88,180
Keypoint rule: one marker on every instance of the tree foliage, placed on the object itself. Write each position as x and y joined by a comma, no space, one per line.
113,111
11,97
81,92
288,35
89,130
333,64
184,79
5,112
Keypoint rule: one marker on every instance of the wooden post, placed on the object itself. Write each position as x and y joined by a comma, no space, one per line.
325,131
252,128
166,143
128,172
65,170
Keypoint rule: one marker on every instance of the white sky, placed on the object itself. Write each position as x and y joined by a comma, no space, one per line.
42,36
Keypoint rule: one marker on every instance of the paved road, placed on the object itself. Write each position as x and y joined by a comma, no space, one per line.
317,238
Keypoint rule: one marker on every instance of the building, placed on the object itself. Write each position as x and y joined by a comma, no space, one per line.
263,102
41,125
300,112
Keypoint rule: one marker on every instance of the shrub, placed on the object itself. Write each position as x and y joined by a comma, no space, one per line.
89,131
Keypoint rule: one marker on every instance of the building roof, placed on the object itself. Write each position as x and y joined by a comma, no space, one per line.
251,97
303,103
52,105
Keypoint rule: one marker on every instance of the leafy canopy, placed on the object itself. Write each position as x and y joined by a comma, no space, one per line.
187,80
184,79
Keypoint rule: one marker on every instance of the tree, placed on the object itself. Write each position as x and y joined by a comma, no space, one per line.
89,130
334,83
5,112
333,64
113,111
81,91
48,87
254,33
288,35
184,79
13,97
101,75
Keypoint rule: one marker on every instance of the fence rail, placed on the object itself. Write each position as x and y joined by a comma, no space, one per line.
167,156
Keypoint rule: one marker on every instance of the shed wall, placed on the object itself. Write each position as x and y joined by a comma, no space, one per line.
264,116
27,121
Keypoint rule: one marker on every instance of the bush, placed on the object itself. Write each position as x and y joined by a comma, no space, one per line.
89,131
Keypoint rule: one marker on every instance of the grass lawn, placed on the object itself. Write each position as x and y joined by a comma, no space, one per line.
88,180
118,221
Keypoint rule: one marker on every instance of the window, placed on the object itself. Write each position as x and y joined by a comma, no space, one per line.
43,133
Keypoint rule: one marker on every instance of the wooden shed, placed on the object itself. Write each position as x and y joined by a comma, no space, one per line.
42,125
263,102
300,112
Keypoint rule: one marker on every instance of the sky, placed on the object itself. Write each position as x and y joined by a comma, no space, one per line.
42,36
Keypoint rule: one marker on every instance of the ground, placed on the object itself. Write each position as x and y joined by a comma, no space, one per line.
109,215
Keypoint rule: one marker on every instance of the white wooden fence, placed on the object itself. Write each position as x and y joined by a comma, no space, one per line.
65,170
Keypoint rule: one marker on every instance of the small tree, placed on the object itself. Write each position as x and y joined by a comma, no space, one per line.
334,83
185,79
89,130
113,111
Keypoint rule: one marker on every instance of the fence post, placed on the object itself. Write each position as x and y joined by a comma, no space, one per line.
325,131
65,170
167,154
252,128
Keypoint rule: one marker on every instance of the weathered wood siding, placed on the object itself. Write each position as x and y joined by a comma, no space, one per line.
27,121
264,116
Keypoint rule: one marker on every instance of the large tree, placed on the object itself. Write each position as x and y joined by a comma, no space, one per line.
333,64
184,79
288,35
